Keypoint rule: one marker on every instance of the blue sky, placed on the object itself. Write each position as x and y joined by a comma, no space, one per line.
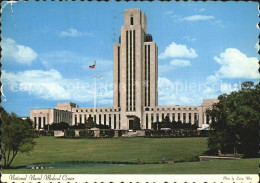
205,49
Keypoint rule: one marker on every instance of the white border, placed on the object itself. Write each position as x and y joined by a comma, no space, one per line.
128,178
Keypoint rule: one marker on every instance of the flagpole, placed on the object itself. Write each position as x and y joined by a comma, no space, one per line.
95,92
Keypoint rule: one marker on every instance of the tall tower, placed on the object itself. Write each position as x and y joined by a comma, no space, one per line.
135,69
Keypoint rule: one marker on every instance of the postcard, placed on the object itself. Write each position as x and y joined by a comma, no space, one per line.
129,91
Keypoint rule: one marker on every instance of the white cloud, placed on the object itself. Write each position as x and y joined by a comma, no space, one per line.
178,50
54,59
194,18
178,92
197,17
188,38
17,53
228,87
185,100
201,9
219,23
180,63
257,46
71,32
169,12
235,64
51,85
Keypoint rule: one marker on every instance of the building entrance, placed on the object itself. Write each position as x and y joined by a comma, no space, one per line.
131,124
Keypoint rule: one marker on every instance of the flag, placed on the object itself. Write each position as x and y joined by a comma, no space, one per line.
92,66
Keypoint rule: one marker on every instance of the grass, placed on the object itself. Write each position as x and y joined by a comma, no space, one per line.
148,150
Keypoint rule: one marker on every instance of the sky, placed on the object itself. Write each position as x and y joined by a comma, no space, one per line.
205,49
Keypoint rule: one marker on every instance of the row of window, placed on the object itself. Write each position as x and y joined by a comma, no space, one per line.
118,77
168,109
84,120
130,70
147,75
98,110
61,116
41,122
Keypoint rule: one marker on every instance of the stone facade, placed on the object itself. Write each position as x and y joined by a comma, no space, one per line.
135,78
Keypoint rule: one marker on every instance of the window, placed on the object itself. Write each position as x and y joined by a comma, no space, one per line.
173,117
76,119
163,109
189,117
81,110
189,108
184,117
109,119
100,119
35,122
179,116
207,119
86,110
162,116
152,118
195,118
173,109
40,121
118,76
157,117
126,71
146,121
114,121
119,121
132,20
76,110
80,119
105,119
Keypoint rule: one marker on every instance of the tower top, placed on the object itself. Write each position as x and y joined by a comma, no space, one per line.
134,17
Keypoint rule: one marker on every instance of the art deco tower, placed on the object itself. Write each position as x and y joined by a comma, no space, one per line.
135,69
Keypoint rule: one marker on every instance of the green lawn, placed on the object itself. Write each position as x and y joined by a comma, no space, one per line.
148,150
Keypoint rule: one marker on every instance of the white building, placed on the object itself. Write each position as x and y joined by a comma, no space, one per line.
135,87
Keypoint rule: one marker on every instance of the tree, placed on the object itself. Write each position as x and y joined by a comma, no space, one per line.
57,126
235,121
17,136
166,123
90,123
136,123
